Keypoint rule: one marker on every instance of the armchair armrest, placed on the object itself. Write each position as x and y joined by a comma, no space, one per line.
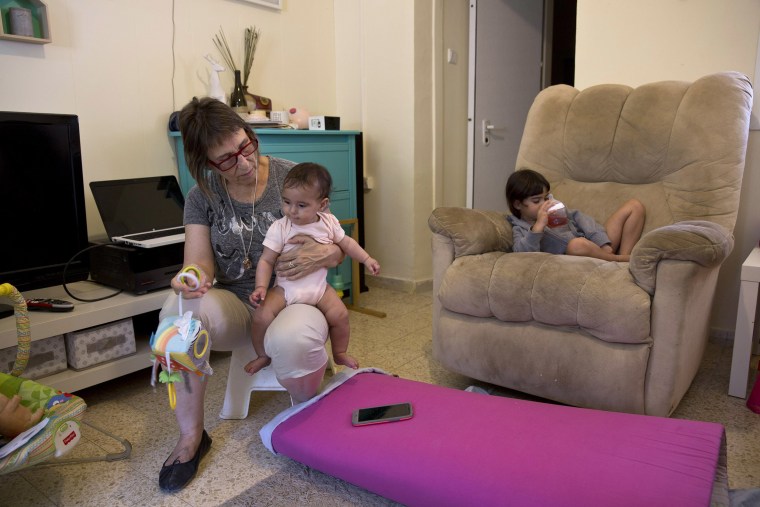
702,242
472,231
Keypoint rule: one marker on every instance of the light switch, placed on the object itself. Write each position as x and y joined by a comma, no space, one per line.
451,56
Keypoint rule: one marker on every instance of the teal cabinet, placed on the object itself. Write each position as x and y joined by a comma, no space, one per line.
340,151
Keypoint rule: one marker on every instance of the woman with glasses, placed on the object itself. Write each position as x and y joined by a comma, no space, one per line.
227,214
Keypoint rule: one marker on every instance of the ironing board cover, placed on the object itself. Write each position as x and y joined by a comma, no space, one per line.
464,448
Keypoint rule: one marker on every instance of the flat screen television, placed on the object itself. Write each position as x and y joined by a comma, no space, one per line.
42,194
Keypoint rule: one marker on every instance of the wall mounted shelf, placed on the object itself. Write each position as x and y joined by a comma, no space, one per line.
39,21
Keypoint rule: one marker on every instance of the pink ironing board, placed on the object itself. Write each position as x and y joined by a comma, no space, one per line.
464,448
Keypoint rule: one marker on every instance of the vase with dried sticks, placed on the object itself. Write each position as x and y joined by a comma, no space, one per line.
250,42
237,99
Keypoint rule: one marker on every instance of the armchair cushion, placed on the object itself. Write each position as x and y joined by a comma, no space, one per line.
599,297
472,231
555,290
705,243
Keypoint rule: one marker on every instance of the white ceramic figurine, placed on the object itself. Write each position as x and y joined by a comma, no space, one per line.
215,90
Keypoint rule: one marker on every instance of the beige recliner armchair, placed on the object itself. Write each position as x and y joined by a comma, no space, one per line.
614,336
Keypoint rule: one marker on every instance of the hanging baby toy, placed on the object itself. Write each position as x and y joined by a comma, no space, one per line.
180,343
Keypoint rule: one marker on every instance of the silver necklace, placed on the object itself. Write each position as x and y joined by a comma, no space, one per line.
237,228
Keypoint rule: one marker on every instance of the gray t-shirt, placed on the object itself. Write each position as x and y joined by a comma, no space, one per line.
227,245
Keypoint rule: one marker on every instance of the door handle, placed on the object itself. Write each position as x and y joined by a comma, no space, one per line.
487,128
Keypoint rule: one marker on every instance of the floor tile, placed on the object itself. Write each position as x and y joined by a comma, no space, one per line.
16,490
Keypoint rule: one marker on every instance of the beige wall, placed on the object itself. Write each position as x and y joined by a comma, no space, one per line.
395,81
652,40
388,98
388,74
453,83
349,64
111,64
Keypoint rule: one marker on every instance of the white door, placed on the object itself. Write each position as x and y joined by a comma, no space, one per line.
506,47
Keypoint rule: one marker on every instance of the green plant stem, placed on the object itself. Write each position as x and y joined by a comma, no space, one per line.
249,50
220,41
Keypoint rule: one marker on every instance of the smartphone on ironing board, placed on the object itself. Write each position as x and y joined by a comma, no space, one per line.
382,414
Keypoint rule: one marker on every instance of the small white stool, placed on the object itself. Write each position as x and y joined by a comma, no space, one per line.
240,385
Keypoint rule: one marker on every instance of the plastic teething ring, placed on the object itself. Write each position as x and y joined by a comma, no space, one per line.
172,395
205,345
192,274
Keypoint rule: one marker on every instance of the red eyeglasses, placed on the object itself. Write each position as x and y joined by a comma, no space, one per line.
229,162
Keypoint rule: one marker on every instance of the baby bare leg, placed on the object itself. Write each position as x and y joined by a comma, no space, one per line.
336,314
262,317
625,225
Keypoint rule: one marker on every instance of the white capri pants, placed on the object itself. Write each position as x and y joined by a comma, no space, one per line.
295,341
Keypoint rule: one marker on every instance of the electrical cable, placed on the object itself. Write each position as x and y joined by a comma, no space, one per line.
66,267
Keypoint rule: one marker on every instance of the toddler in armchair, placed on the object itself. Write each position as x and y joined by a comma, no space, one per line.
530,202
305,205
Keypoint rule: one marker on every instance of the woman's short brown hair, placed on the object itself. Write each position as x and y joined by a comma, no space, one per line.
206,123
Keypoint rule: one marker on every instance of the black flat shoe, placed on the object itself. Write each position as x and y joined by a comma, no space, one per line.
177,475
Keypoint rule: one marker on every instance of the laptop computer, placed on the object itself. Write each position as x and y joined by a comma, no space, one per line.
141,212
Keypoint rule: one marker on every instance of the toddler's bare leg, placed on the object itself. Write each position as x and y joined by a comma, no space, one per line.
262,317
625,225
336,314
586,248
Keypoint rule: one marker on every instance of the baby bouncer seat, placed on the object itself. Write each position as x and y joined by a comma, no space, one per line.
58,432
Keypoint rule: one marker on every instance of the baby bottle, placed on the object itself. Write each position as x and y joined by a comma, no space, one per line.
557,212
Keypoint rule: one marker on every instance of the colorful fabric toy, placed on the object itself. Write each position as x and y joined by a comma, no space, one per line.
62,412
180,343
